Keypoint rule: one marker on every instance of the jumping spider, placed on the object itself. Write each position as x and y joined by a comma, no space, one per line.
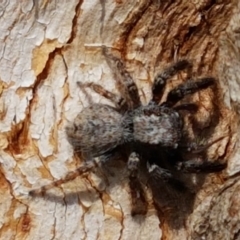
153,129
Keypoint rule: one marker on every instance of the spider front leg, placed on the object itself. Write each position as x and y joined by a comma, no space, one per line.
160,80
118,101
197,165
187,88
86,167
139,205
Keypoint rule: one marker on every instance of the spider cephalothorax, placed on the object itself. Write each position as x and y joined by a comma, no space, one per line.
155,128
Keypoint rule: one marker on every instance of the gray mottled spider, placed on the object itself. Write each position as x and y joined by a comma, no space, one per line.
100,129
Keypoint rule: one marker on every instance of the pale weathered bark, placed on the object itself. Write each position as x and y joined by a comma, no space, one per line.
46,47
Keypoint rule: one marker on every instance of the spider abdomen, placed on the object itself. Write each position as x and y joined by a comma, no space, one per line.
96,130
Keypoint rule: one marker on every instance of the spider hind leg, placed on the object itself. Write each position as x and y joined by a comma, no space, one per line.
118,101
86,167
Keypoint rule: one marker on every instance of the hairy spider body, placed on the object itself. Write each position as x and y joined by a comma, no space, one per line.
157,125
100,128
150,132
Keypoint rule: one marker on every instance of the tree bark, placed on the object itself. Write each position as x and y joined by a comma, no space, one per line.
46,47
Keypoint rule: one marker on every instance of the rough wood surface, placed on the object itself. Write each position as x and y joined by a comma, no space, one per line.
46,47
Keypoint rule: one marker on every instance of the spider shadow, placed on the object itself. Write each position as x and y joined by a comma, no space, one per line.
65,198
175,203
174,200
206,129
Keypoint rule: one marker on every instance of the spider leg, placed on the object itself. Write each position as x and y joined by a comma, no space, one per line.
187,88
160,80
125,83
190,107
88,166
137,194
160,174
119,102
198,166
195,147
